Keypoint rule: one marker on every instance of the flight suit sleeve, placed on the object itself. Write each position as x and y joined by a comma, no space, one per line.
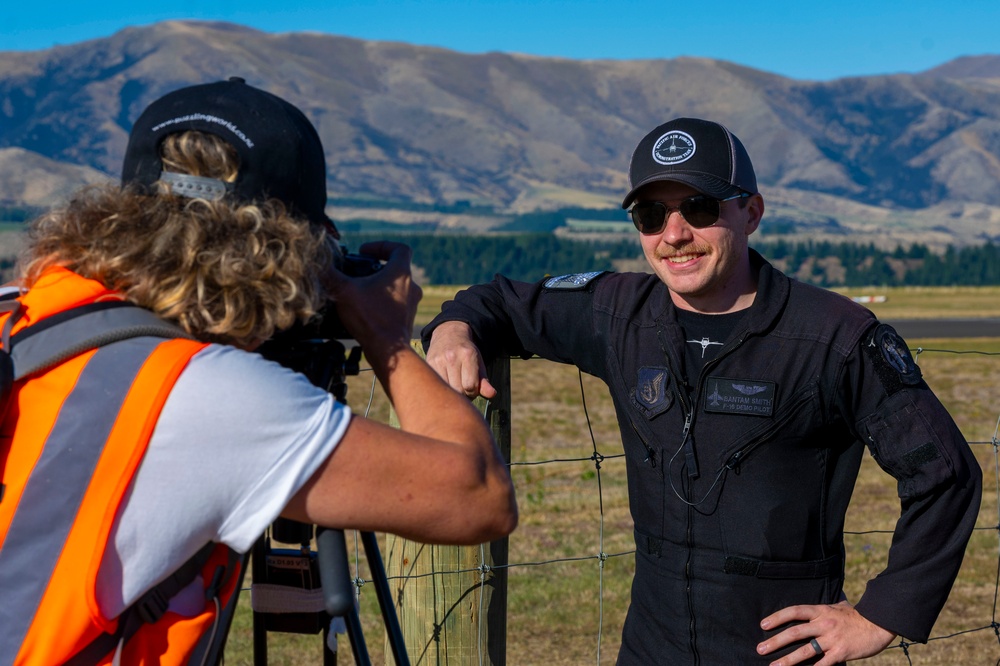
551,318
939,483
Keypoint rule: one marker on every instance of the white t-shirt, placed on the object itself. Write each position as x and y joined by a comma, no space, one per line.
237,438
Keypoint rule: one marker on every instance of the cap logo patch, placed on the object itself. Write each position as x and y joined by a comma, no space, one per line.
209,119
673,147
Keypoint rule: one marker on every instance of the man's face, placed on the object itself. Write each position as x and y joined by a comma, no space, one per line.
706,270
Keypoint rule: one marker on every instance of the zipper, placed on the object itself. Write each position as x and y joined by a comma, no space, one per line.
689,458
650,452
692,629
692,462
687,443
734,461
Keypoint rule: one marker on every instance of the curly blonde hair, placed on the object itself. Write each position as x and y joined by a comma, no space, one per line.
225,272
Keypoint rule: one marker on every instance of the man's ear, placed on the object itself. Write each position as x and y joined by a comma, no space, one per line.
755,211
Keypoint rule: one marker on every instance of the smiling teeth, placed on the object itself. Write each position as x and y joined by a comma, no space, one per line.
681,258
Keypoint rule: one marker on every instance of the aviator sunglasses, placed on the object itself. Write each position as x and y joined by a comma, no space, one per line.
699,211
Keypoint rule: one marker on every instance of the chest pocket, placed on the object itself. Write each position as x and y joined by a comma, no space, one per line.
905,445
771,500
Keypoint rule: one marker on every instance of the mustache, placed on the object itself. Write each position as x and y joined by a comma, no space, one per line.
688,248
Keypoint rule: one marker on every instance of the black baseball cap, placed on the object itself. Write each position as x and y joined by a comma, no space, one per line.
699,153
281,155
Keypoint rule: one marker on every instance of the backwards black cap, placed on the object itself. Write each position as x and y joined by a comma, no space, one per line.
281,155
699,153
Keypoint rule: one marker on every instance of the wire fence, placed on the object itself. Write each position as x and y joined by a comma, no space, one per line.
570,561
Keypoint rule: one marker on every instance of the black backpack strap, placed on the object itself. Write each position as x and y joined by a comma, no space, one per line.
210,649
67,334
64,335
149,608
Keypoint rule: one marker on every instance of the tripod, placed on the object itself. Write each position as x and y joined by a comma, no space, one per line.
328,567
310,588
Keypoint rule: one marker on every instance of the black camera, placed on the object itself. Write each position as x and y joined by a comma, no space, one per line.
359,265
326,323
314,348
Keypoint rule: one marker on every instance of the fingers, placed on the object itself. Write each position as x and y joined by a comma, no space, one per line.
801,654
840,631
805,653
388,251
486,389
379,308
788,614
396,255
793,634
455,357
462,369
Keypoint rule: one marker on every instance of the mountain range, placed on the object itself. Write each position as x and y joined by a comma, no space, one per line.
903,157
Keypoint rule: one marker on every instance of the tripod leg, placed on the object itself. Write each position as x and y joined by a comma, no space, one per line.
334,572
259,573
385,602
357,636
338,591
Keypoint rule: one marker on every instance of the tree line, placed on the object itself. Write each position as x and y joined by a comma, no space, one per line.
464,259
457,259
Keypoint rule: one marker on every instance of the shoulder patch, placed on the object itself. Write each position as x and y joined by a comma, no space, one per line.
652,391
893,361
574,281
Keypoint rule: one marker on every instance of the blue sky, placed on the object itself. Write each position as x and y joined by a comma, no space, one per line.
801,39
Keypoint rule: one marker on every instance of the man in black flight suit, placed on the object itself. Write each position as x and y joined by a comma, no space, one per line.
745,401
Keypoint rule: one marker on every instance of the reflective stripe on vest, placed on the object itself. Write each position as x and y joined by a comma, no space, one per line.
56,485
69,449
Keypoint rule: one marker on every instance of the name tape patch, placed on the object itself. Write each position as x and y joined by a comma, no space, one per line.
748,397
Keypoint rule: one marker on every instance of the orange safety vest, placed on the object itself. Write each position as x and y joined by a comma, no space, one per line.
70,444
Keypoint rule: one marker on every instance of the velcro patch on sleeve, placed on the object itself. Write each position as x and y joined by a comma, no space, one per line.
921,455
891,358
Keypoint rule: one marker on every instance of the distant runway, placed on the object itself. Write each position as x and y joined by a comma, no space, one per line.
946,328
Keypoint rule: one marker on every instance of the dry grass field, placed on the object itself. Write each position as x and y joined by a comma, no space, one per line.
567,610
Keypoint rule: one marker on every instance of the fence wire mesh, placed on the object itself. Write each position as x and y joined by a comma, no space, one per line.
570,561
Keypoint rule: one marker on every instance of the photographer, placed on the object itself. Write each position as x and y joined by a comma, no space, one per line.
145,464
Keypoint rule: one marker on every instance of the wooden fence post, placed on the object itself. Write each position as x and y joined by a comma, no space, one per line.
450,618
